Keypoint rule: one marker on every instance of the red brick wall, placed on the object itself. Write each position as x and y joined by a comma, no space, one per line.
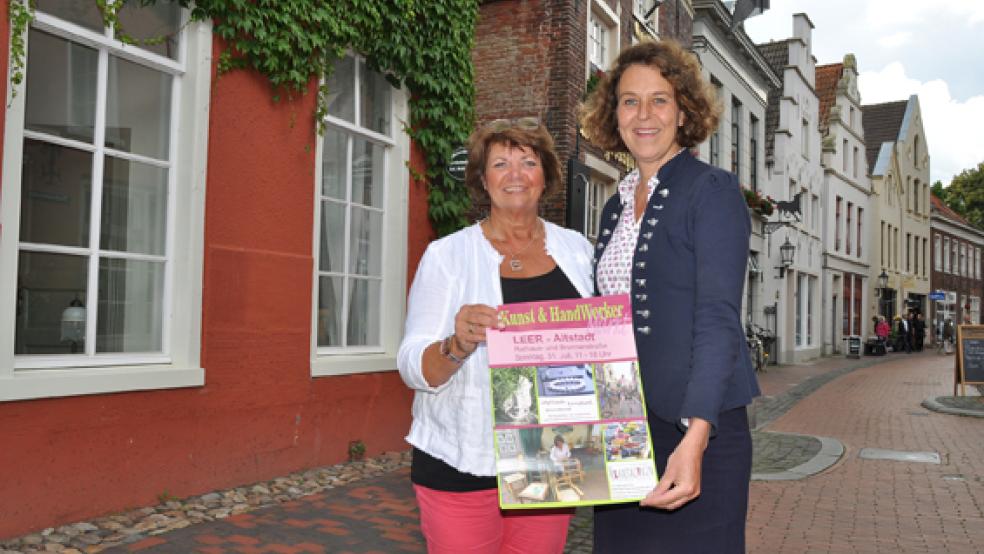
260,413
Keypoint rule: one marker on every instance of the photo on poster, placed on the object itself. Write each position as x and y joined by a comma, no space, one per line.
627,440
514,395
566,393
549,464
619,390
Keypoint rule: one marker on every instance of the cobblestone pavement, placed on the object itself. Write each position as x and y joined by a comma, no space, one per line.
369,507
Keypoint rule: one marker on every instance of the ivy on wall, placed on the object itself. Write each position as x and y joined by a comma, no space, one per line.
424,45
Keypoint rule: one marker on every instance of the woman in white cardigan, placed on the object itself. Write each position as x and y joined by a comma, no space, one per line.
511,256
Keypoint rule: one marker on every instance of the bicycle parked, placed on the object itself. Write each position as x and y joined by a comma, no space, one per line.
759,343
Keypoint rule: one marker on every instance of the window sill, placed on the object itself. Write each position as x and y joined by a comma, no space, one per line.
324,366
52,383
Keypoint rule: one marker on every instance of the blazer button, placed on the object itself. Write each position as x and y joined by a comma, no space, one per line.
641,265
647,235
642,297
644,329
658,206
652,221
643,313
600,245
641,283
644,248
664,192
614,217
605,232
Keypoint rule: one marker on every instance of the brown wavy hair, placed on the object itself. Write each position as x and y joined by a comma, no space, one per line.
536,139
695,96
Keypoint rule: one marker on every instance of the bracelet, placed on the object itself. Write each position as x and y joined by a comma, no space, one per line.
445,350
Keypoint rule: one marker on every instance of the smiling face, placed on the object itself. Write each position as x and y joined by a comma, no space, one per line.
514,178
648,116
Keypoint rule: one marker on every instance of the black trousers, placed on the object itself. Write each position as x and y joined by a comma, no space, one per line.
713,523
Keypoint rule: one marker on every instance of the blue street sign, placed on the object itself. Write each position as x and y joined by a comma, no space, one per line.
937,295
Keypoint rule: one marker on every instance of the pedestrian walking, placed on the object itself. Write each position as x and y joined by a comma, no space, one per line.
675,236
918,332
511,256
904,330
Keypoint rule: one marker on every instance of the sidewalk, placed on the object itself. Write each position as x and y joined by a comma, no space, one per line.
369,506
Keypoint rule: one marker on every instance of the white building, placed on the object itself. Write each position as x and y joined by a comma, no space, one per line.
795,175
743,79
899,161
846,211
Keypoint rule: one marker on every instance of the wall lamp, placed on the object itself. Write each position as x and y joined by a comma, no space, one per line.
786,253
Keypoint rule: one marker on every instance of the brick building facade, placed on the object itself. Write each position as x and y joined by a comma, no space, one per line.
957,267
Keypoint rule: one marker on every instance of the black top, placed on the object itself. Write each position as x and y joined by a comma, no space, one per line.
428,471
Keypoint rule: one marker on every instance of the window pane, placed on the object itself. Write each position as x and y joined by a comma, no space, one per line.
374,102
134,207
366,252
61,87
332,236
334,164
47,285
367,173
155,22
130,316
84,13
55,194
341,90
363,319
138,109
329,311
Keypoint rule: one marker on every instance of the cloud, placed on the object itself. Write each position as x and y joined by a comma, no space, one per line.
895,39
952,127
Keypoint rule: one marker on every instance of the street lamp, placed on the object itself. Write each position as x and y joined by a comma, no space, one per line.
786,253
882,287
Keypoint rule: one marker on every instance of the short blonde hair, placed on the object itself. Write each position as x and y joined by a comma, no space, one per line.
692,92
536,139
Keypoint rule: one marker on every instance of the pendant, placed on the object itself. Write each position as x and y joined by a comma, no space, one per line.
515,264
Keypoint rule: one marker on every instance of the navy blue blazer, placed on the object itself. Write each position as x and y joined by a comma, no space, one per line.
688,272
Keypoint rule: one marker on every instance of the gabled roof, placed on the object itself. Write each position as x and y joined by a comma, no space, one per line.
946,211
776,54
882,123
827,77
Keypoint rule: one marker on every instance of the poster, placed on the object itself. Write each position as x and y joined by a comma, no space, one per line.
569,412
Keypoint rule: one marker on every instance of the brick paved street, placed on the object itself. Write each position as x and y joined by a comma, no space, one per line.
862,505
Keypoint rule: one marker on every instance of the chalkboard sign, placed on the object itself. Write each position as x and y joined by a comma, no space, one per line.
970,354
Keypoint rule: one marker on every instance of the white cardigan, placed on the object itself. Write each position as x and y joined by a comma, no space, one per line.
453,422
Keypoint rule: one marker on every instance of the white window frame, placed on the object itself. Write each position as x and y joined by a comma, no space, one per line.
603,181
179,364
608,20
326,361
937,254
946,255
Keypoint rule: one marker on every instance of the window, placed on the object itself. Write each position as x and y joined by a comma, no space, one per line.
753,276
602,36
753,152
102,203
641,7
595,201
916,189
977,263
908,259
857,163
881,244
816,212
846,305
837,223
859,235
954,263
915,152
962,267
895,247
858,287
845,153
805,139
360,226
736,137
946,255
925,260
851,121
937,257
848,229
800,298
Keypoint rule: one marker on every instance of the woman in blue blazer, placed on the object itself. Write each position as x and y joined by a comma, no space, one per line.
675,237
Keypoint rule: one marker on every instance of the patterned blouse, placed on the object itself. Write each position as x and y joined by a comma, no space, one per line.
615,266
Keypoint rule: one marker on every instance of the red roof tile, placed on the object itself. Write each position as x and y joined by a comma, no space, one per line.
947,211
827,77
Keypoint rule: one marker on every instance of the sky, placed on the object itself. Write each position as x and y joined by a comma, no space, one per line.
934,49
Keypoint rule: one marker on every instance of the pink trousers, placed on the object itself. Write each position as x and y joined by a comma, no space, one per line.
454,522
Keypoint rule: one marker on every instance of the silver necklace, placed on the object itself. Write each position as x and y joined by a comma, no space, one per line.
515,263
